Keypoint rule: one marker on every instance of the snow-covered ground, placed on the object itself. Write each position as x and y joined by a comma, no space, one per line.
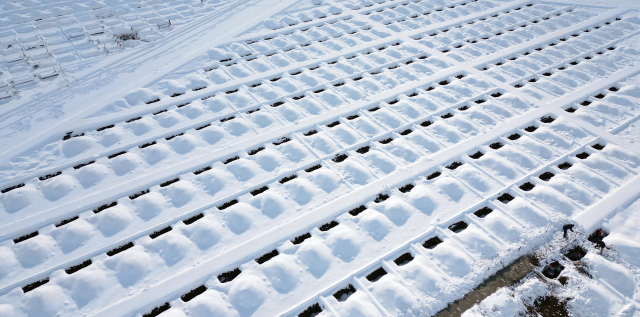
315,157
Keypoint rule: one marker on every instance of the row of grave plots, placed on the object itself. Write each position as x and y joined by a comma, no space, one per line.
610,108
70,12
579,272
319,257
540,162
39,50
503,30
306,93
283,48
449,111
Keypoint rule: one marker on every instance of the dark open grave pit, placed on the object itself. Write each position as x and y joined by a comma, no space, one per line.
553,270
381,197
576,253
458,226
344,294
376,275
476,155
483,212
527,186
505,198
431,242
546,176
403,259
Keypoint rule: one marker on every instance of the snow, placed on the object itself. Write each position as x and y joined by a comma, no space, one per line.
280,153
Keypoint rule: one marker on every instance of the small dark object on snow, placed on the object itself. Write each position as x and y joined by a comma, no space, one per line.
546,176
311,311
406,188
268,256
193,293
299,239
229,276
356,211
576,253
329,226
476,155
567,227
514,137
483,212
527,186
339,158
381,197
505,198
582,155
565,166
553,270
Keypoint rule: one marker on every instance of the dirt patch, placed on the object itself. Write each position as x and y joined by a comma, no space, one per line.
550,306
508,276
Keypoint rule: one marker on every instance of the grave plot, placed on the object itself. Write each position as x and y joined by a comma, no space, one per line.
40,40
567,263
337,158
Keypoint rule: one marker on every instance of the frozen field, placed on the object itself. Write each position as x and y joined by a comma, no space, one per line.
317,157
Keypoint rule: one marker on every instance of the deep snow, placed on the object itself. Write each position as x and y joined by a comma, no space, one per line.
299,157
